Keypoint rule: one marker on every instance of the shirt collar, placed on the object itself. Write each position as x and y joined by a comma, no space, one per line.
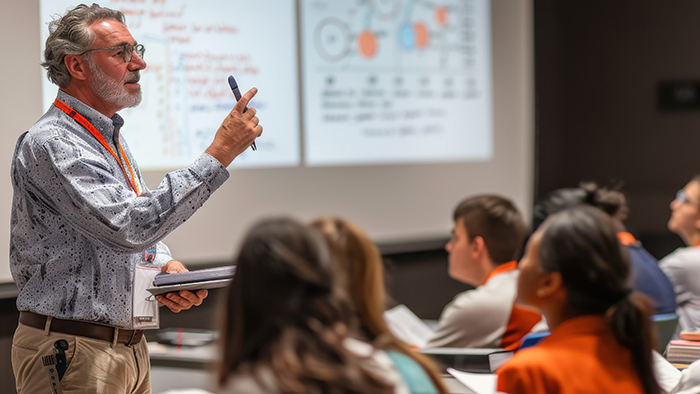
509,266
587,324
108,127
626,239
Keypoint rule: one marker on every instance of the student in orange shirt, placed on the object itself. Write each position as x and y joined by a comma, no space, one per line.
576,273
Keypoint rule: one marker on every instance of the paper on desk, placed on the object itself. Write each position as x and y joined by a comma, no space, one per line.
408,327
187,391
666,374
480,383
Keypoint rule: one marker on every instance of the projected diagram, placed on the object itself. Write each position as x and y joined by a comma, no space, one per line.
392,81
191,49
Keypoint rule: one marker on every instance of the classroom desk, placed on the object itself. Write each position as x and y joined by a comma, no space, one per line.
192,367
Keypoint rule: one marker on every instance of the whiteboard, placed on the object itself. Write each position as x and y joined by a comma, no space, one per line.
400,202
191,49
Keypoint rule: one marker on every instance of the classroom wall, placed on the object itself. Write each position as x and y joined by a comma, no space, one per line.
597,66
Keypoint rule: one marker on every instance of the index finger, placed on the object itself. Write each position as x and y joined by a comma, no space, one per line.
243,102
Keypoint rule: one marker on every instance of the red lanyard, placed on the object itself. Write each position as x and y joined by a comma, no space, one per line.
86,123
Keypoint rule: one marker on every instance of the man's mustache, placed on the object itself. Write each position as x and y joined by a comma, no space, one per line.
132,77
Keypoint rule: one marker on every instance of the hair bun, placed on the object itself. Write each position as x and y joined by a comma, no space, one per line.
612,202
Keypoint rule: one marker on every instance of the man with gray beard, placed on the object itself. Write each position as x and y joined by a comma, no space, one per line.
84,224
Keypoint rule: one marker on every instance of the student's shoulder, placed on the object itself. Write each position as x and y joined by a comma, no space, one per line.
481,298
529,364
379,361
497,290
681,257
534,357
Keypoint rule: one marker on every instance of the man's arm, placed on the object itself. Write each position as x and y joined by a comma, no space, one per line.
67,175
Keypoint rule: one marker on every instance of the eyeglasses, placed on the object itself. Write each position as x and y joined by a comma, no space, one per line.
127,51
682,197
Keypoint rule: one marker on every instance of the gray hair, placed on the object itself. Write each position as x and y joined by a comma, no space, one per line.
71,35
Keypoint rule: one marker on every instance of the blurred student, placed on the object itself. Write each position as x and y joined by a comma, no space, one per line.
683,265
487,236
576,273
286,321
360,264
647,277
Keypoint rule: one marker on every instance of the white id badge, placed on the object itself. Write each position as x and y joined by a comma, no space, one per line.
145,306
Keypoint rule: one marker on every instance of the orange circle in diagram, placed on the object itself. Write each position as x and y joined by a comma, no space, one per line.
368,43
421,33
441,15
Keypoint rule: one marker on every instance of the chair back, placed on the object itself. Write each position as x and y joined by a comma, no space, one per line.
665,325
532,339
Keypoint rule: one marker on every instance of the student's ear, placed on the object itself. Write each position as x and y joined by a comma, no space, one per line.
77,66
549,284
477,247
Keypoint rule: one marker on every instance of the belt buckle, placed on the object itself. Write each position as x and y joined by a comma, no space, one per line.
135,338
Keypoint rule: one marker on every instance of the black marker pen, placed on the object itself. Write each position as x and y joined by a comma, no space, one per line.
237,94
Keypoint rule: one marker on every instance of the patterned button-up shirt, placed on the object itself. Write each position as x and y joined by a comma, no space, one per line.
78,229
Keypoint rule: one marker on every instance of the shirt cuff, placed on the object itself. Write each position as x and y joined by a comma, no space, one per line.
210,170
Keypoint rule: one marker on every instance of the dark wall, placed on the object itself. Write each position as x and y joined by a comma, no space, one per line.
597,66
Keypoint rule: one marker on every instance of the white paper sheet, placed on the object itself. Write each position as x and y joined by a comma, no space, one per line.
666,374
408,327
480,383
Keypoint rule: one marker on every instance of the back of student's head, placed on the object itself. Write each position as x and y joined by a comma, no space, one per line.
361,267
360,264
610,201
497,221
286,313
581,244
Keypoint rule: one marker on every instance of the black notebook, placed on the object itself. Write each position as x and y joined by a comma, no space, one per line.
195,276
470,360
210,278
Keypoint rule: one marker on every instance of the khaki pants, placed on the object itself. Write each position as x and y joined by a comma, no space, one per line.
94,366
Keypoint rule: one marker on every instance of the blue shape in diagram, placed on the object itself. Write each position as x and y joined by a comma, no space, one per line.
406,38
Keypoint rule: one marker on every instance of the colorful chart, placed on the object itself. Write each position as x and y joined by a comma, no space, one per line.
393,81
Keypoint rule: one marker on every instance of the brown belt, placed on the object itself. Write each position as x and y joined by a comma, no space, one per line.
82,329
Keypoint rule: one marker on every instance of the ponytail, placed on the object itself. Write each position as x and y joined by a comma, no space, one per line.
630,320
581,244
